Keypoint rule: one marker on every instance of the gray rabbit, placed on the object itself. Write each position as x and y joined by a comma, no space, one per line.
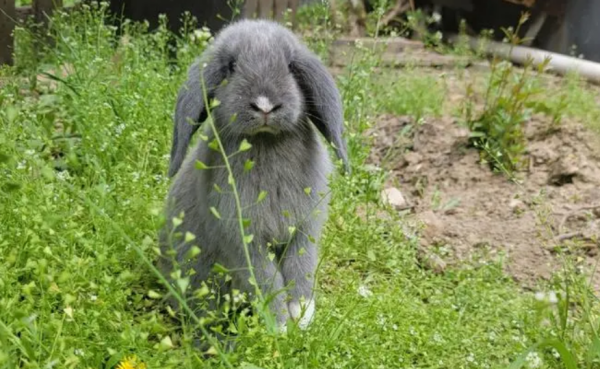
276,95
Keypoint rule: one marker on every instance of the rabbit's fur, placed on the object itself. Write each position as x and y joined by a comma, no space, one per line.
253,67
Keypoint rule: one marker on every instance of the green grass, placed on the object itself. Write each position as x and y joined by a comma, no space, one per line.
82,188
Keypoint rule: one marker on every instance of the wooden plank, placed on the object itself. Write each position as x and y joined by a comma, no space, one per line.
527,3
43,9
7,26
23,12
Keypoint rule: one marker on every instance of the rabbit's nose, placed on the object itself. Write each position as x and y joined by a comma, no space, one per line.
264,105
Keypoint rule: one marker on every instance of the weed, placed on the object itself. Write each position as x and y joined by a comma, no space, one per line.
498,130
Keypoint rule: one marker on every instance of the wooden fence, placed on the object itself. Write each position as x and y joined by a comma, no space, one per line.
41,10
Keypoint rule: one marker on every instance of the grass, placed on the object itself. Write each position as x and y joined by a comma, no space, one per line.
83,158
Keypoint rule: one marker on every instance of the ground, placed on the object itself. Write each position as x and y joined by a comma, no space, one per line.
83,156
550,211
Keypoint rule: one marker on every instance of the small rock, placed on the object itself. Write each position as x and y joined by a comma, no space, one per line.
412,157
394,197
563,171
516,205
434,226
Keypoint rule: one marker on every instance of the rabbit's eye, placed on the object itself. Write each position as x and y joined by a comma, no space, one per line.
232,66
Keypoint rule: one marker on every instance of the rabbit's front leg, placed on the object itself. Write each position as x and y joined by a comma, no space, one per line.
269,281
298,266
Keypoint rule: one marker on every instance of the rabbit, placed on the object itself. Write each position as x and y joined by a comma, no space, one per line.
275,94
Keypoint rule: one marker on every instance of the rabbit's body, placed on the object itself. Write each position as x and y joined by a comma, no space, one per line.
293,174
267,100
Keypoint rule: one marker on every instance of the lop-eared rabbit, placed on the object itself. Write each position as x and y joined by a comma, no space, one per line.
276,95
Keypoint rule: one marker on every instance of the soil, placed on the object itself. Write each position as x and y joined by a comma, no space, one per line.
458,204
465,206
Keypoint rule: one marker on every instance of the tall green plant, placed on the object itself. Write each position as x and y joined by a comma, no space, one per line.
497,130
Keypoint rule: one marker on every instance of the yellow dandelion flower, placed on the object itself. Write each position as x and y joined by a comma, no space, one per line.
131,362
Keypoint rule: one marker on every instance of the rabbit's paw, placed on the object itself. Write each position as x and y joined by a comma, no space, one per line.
302,311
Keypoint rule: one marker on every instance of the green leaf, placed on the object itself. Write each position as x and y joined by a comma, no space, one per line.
248,238
261,196
200,165
11,114
308,190
593,351
177,222
248,165
246,222
215,212
214,145
217,188
189,237
202,291
166,343
245,145
154,295
565,354
192,252
218,268
292,230
249,366
48,173
11,186
183,283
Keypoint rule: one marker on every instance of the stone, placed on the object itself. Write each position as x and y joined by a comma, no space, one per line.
392,196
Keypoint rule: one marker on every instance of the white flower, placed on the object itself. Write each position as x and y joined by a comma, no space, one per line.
470,358
546,297
136,176
79,352
364,292
119,129
93,297
63,176
533,360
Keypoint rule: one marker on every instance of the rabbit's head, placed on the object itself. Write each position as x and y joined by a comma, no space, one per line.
265,81
259,93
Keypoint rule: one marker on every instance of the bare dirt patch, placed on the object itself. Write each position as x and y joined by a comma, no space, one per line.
553,211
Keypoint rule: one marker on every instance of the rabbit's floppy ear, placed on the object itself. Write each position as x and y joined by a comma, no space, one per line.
204,75
322,99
